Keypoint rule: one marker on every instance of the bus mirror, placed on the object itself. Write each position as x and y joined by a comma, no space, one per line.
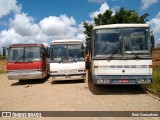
46,53
152,41
88,38
88,41
88,44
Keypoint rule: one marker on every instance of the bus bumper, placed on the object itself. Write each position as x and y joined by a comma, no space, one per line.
68,77
25,75
123,80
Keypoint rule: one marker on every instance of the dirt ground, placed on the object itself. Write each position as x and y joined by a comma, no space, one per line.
45,95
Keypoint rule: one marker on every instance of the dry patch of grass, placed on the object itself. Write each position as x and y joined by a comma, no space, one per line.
155,86
156,57
3,68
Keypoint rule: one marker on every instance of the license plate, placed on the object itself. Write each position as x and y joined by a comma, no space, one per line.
68,76
123,81
23,76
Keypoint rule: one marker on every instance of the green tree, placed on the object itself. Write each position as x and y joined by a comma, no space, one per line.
121,16
88,29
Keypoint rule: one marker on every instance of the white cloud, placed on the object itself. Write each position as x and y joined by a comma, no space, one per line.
147,3
97,1
59,27
24,25
9,36
154,23
23,29
102,9
8,6
80,35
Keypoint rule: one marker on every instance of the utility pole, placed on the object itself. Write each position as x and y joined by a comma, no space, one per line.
4,52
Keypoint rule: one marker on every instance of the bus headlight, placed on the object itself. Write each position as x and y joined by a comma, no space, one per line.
100,81
54,71
140,81
147,81
105,81
81,70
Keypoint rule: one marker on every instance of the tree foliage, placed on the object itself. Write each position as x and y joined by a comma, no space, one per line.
88,29
121,16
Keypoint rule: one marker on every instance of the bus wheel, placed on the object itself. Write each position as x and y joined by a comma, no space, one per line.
21,80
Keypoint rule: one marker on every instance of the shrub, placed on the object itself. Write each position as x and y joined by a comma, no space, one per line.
156,81
155,86
2,57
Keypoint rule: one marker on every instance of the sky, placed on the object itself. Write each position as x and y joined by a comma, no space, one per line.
41,21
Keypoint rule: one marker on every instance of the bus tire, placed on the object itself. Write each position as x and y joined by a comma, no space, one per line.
21,80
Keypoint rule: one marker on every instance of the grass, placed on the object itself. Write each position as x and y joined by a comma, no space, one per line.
156,81
1,72
2,57
155,86
2,66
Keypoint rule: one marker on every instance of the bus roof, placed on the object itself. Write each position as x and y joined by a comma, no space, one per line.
28,44
120,26
67,41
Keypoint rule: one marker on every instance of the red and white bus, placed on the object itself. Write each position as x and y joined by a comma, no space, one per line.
27,61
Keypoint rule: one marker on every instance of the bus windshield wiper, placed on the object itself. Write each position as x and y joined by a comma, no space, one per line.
73,57
114,52
110,57
29,60
21,58
16,61
62,59
137,57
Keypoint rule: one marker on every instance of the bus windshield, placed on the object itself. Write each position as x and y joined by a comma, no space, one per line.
135,39
67,52
106,41
120,42
21,54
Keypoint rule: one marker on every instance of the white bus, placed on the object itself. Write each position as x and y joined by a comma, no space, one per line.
67,60
121,54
